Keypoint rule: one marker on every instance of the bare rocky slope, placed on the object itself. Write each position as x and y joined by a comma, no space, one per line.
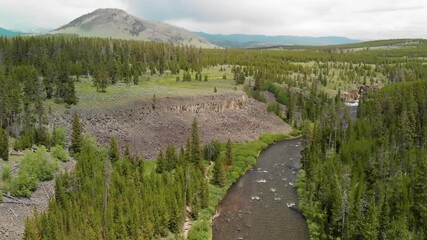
118,24
146,130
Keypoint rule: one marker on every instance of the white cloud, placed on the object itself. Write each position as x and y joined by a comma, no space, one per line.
362,19
18,14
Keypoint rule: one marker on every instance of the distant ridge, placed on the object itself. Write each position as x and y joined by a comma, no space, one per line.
258,41
9,33
118,24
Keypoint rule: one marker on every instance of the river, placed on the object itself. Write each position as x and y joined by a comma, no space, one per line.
256,206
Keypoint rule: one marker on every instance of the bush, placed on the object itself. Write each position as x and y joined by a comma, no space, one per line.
26,140
59,153
200,230
23,184
39,163
35,166
6,173
58,136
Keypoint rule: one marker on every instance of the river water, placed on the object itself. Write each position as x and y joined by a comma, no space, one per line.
256,206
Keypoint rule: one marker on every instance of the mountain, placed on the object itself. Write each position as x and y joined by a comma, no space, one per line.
257,41
8,33
118,24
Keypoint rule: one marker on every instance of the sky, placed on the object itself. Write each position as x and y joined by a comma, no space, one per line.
361,19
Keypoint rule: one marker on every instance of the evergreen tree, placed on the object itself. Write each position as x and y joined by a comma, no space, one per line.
196,157
229,153
76,135
171,157
127,154
100,78
218,177
114,151
4,145
161,163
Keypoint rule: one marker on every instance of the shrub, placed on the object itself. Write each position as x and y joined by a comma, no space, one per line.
26,140
35,166
6,173
39,163
58,136
200,230
23,184
59,153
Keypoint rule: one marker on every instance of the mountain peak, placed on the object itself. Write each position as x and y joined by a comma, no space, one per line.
117,23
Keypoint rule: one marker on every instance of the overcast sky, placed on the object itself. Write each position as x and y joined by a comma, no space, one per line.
361,19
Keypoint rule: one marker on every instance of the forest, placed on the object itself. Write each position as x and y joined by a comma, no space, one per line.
361,179
367,179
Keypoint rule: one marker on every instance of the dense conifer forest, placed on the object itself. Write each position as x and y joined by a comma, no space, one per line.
362,179
367,179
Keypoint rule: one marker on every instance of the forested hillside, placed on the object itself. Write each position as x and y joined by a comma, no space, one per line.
367,179
360,180
111,195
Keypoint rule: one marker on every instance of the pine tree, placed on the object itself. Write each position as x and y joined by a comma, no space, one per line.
229,153
4,145
219,173
127,155
100,78
196,157
171,157
161,163
48,81
114,151
76,136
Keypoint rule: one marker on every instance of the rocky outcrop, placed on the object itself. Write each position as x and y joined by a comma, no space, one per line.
148,127
215,105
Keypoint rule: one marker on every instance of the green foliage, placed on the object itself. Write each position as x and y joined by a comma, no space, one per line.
26,140
114,150
35,166
218,175
59,153
4,145
23,184
39,163
275,108
6,173
123,199
212,150
58,136
199,231
365,179
76,135
196,156
229,156
100,78
357,158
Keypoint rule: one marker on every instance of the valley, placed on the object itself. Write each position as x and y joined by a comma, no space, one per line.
114,127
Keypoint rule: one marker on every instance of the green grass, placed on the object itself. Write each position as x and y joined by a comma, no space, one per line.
159,85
